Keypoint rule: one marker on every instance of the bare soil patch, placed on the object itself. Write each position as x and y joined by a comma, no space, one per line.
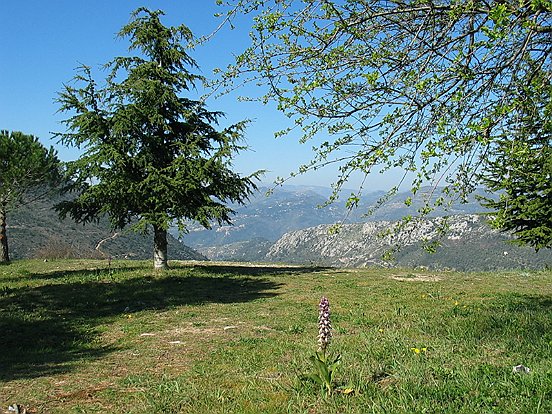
417,277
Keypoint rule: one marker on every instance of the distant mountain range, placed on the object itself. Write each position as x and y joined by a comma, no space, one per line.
268,218
469,244
290,226
290,208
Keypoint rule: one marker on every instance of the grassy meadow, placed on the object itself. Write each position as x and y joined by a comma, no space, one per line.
87,337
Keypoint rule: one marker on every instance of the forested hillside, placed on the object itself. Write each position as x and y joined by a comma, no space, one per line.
35,231
288,227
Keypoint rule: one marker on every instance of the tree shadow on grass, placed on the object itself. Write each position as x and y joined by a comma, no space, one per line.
518,318
46,329
517,322
259,270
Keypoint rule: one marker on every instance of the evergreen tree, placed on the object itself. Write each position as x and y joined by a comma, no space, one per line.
519,169
27,171
152,157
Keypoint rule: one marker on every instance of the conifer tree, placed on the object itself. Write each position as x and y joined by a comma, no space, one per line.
27,171
519,169
152,157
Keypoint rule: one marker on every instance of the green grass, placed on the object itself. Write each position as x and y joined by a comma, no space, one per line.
77,337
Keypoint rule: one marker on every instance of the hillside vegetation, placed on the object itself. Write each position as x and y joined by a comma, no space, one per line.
270,230
202,338
35,231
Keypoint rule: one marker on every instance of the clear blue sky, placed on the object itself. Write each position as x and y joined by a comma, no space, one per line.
42,42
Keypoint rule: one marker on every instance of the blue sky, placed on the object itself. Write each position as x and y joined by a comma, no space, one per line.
42,42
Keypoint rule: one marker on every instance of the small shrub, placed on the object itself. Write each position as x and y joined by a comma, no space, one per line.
56,248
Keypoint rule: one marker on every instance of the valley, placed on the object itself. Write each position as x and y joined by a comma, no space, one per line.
292,226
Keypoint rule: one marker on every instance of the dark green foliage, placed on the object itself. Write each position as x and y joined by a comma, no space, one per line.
27,171
25,165
520,167
151,156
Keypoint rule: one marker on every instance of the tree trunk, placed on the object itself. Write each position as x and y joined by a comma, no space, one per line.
4,255
160,248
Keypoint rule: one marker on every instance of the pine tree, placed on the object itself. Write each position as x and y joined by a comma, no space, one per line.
27,171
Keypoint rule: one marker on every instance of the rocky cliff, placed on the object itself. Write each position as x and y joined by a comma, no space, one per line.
468,244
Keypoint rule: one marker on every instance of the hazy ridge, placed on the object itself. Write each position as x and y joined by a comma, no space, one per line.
289,226
35,231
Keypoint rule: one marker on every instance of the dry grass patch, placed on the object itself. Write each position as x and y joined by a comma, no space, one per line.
417,277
